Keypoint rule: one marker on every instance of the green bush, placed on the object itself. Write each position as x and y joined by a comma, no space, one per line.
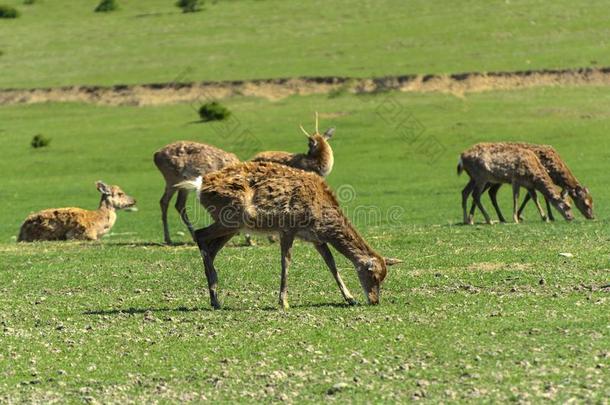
213,112
8,12
106,6
40,141
189,6
29,2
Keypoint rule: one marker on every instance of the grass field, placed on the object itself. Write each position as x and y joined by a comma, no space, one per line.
475,313
490,313
62,42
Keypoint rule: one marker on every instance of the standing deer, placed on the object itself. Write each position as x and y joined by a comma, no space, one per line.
560,174
76,223
497,163
268,197
318,159
181,161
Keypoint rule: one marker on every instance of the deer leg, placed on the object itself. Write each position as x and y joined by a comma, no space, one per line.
515,202
165,199
476,194
210,240
180,207
286,241
473,207
465,194
330,262
532,193
522,207
549,210
493,194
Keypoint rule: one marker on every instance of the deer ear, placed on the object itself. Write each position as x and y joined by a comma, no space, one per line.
564,193
586,190
329,133
391,261
103,187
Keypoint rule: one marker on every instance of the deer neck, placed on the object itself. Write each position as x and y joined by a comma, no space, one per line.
346,239
106,213
547,188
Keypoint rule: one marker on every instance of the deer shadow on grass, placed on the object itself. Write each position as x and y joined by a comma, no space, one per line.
135,310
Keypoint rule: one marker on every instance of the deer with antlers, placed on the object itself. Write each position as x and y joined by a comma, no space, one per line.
319,158
273,198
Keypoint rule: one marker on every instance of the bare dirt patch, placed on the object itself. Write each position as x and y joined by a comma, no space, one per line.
276,89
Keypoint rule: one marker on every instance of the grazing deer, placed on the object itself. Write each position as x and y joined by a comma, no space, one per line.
497,163
318,159
561,176
181,161
76,223
268,197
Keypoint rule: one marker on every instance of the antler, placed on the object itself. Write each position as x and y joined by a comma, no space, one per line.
317,130
304,131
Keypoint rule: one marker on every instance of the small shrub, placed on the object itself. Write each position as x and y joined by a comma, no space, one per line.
8,12
106,6
40,141
29,2
189,6
213,112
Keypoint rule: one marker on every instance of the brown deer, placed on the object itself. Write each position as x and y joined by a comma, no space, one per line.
560,174
184,160
268,197
318,159
76,223
496,163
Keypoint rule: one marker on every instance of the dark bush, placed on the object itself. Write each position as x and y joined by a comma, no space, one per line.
29,2
40,141
106,6
8,12
213,112
189,6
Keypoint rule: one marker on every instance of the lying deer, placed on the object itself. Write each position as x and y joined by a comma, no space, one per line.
497,163
561,176
76,223
181,161
318,159
268,197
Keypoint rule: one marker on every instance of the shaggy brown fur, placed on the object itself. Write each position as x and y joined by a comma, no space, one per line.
76,223
496,163
268,197
319,158
186,160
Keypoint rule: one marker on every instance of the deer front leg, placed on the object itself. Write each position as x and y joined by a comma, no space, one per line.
532,193
515,202
465,193
330,262
164,203
286,241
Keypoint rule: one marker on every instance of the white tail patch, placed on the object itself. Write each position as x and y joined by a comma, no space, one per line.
191,184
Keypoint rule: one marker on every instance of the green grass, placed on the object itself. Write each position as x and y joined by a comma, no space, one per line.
62,42
486,313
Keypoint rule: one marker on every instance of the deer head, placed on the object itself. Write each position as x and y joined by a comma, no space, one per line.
583,200
114,196
317,141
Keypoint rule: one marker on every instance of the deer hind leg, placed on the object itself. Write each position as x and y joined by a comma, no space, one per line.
286,240
465,194
330,262
532,193
493,195
181,208
165,199
476,195
522,207
210,240
549,210
515,202
473,207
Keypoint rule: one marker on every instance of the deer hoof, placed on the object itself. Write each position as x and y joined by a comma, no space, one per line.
351,301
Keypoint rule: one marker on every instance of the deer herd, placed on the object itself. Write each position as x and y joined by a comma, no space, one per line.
285,194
